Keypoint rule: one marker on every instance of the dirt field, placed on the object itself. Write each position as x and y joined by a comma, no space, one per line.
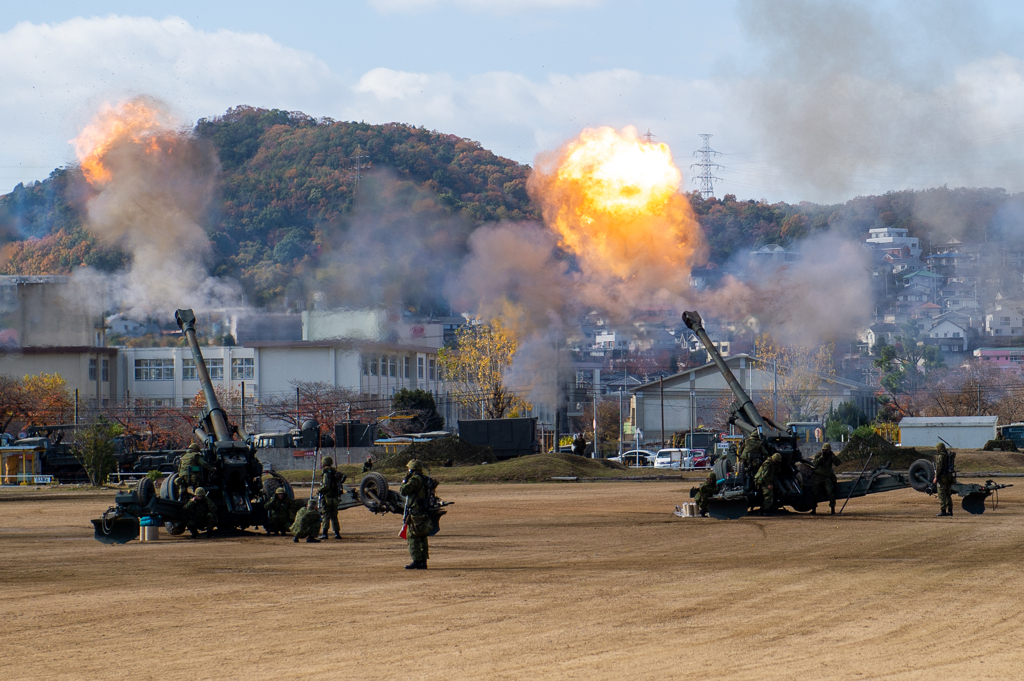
595,581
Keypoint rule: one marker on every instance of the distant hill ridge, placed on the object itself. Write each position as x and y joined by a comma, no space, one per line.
287,175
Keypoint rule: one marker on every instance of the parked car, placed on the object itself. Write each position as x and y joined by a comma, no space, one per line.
635,457
671,458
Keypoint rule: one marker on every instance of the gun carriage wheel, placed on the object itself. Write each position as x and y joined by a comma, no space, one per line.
373,490
272,481
146,491
921,473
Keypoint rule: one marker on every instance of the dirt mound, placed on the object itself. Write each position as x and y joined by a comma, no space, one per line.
855,454
435,453
534,468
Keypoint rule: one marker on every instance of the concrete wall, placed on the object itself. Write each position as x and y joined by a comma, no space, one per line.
72,364
284,458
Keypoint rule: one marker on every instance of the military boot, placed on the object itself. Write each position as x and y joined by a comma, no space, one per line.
336,536
312,540
295,539
323,536
417,565
833,511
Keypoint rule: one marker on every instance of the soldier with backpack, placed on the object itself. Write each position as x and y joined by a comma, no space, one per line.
330,495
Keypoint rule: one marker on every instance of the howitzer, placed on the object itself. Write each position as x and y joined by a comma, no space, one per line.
792,485
231,474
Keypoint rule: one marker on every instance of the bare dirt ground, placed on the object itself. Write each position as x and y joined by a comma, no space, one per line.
595,581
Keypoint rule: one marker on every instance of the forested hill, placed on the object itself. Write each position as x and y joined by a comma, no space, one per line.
288,179
284,175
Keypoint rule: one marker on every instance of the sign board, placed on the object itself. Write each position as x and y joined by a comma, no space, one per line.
304,453
43,479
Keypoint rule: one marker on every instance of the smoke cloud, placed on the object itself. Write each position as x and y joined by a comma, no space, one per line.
154,183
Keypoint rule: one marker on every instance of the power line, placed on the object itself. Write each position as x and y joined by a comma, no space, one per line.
707,167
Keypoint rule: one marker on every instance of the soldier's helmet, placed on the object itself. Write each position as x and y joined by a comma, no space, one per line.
414,465
311,504
328,461
193,447
200,492
279,490
826,447
941,447
712,477
776,457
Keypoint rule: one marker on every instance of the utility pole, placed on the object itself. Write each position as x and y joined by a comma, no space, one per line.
661,390
359,159
706,177
648,136
595,423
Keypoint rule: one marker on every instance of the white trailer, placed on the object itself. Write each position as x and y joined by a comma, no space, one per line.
963,432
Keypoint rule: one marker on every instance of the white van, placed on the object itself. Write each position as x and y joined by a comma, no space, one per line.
670,458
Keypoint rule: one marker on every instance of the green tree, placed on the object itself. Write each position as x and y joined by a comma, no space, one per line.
477,367
419,403
94,448
905,366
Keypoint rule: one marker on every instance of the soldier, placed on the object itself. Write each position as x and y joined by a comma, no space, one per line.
752,454
277,512
307,521
330,495
944,476
414,489
704,494
191,470
823,478
765,479
368,464
201,513
579,445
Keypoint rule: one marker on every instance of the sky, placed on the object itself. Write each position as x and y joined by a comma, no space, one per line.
806,100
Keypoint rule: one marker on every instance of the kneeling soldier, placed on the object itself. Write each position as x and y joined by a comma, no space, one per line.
278,512
704,494
202,514
307,523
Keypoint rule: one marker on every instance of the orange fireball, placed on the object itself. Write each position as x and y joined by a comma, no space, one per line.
130,121
614,201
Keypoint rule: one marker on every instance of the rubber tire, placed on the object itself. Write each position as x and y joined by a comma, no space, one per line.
921,473
373,489
275,480
169,490
146,491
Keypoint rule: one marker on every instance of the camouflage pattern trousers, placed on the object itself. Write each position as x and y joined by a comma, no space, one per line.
769,497
202,522
946,494
824,486
329,509
417,530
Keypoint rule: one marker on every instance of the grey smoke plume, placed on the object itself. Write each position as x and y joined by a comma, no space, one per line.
398,245
852,93
152,206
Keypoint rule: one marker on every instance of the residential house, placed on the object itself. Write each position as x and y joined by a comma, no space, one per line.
1004,358
876,333
887,238
951,339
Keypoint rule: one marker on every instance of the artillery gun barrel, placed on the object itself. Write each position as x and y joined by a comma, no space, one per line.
187,323
696,324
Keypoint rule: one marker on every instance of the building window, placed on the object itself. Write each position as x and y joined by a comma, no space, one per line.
431,369
243,368
188,370
419,367
406,367
215,367
105,371
373,366
391,367
92,369
154,369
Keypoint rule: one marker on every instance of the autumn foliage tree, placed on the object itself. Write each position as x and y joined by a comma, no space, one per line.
801,373
478,365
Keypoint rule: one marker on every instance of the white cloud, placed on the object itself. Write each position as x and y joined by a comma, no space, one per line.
54,76
496,6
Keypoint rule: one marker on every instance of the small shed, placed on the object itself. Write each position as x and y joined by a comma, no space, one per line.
965,432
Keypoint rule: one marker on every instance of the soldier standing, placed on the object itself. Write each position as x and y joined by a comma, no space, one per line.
307,522
277,512
765,480
945,473
579,445
191,470
330,496
201,514
704,494
823,478
414,489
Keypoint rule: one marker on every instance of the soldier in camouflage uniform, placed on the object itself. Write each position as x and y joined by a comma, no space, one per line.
823,477
278,512
418,522
307,523
704,494
191,470
944,475
330,494
765,480
752,453
201,514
